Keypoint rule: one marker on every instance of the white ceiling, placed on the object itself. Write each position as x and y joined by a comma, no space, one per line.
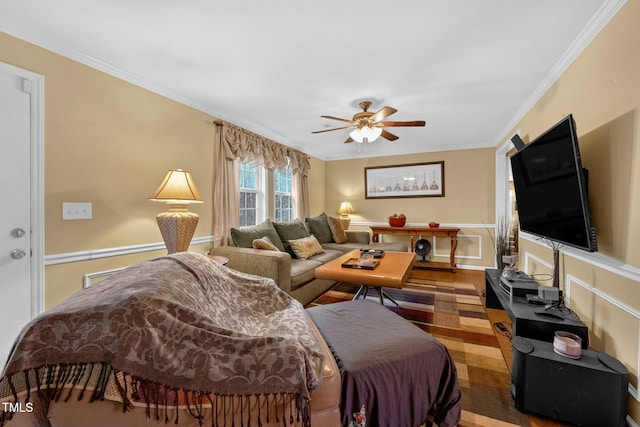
469,68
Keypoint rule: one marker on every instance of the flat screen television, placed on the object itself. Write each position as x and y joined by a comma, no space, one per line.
551,188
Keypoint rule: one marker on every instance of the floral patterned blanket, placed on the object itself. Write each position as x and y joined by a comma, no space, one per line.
176,329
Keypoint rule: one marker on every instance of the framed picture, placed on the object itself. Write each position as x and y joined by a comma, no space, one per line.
410,180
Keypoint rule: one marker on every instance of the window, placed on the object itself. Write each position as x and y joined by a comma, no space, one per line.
282,192
255,191
252,192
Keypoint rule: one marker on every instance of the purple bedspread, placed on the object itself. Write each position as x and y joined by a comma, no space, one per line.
400,373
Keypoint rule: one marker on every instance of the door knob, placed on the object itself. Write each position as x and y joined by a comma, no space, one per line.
18,253
18,232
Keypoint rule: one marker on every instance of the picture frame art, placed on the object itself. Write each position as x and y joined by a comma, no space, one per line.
409,180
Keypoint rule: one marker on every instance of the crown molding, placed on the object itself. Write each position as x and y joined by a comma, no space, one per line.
602,17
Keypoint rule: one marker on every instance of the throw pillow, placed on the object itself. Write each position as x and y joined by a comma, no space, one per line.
290,230
319,227
244,237
306,247
337,230
264,243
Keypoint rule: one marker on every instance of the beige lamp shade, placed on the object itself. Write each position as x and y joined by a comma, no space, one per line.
177,225
344,210
177,187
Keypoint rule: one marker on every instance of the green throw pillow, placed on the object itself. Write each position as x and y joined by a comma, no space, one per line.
319,227
290,230
244,237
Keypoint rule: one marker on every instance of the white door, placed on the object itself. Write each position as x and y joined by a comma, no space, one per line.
15,209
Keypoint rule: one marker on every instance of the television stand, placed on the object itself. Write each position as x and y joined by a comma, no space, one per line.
531,320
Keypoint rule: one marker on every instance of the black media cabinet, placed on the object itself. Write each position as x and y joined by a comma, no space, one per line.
525,321
591,391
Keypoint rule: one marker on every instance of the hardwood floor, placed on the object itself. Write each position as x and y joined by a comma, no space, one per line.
495,316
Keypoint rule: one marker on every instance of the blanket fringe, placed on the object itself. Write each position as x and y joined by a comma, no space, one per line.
160,401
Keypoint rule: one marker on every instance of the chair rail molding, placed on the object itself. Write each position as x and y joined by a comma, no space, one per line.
68,257
596,259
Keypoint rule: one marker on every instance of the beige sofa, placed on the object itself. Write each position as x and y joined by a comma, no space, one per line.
294,275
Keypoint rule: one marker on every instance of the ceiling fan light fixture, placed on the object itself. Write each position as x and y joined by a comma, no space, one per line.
366,134
356,135
367,126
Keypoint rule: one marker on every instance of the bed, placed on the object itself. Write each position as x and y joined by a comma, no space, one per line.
176,340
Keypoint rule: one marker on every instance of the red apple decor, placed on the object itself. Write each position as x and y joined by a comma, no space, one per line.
396,220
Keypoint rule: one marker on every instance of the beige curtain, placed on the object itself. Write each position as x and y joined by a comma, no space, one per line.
299,166
300,192
233,145
226,194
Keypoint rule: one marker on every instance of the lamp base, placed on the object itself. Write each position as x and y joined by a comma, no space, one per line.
346,221
177,229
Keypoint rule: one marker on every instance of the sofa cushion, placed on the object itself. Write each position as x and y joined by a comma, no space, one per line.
306,247
303,271
319,227
337,230
327,255
244,237
264,243
291,230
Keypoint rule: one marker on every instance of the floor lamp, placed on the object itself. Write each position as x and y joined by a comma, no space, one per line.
177,225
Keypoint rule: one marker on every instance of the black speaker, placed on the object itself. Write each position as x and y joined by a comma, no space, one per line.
518,142
589,391
422,248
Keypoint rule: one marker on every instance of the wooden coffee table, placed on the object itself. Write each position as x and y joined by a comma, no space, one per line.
392,272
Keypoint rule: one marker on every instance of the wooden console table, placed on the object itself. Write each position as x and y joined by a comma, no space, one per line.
423,231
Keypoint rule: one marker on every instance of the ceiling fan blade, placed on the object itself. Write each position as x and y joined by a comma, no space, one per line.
399,124
382,113
329,130
337,118
348,140
388,135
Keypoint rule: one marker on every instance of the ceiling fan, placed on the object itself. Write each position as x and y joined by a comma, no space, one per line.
367,125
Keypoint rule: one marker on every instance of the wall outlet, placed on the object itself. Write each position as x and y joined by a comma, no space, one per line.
71,211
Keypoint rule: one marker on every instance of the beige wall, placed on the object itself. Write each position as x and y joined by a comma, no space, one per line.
602,91
110,143
469,203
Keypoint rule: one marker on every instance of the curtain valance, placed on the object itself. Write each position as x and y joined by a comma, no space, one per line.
252,148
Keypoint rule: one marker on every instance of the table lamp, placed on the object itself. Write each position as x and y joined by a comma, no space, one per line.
344,210
177,225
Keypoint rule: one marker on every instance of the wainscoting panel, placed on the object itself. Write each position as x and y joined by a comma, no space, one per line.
538,268
90,278
467,244
618,318
476,246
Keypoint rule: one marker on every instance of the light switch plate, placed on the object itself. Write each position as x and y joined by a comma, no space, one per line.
71,211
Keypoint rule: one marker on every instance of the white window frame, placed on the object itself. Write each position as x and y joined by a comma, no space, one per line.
283,193
260,191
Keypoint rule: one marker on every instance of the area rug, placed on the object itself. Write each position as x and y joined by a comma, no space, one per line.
453,313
